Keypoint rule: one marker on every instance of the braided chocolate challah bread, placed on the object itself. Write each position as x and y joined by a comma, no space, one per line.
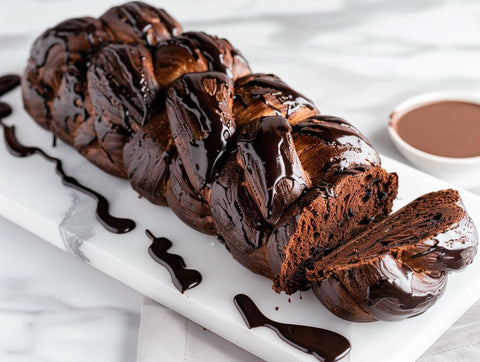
239,155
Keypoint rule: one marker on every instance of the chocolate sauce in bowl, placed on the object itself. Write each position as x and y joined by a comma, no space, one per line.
323,344
443,128
109,222
182,278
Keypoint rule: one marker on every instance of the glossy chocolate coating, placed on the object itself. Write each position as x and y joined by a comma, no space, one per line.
87,143
147,156
221,55
237,219
199,108
259,95
139,23
273,172
54,80
451,250
328,145
176,57
123,90
191,206
197,52
379,289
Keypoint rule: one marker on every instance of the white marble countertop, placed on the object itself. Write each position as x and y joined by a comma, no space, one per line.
359,58
53,307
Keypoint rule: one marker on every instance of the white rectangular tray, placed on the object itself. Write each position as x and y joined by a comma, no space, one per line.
32,196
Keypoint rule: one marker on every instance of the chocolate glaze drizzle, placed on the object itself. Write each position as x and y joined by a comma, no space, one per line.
5,110
328,128
109,222
266,149
8,82
269,85
182,278
323,344
208,119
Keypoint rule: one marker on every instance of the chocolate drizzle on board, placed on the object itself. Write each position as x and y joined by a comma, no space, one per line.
8,82
323,344
109,222
182,278
5,110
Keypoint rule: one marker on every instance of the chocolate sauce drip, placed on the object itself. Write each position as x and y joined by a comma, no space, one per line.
168,22
400,292
208,126
267,155
8,82
290,97
5,110
323,344
328,128
182,278
211,51
109,222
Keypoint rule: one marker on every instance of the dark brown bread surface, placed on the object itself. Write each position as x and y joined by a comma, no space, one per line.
238,155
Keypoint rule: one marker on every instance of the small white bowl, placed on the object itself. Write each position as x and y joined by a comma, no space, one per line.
432,163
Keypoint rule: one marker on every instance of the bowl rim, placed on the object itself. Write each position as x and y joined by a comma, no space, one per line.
424,98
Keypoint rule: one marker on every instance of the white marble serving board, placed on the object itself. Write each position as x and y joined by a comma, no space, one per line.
32,196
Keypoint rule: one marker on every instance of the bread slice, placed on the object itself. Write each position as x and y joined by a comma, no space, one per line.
397,268
325,218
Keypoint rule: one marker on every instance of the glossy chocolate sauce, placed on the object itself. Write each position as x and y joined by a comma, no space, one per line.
109,222
265,151
395,287
291,97
328,128
445,128
210,125
5,110
182,278
211,51
263,85
323,344
8,82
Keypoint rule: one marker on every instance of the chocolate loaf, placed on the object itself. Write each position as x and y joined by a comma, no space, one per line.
235,154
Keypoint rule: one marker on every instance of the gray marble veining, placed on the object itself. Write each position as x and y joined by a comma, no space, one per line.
76,227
